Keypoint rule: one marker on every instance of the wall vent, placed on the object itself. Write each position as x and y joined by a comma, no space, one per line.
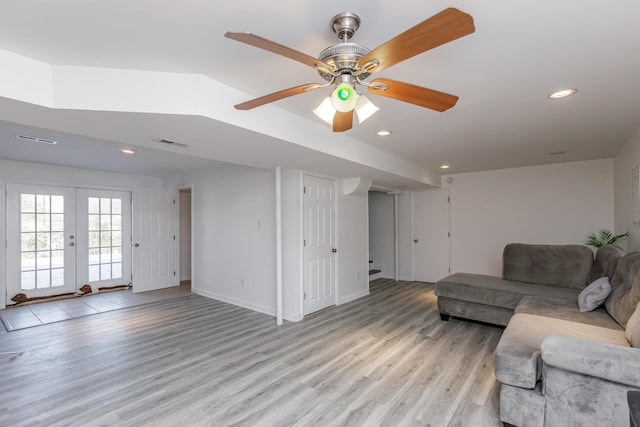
169,142
36,139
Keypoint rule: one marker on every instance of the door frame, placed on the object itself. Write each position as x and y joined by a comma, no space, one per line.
336,234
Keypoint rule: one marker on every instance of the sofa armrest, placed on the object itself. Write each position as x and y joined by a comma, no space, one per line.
609,362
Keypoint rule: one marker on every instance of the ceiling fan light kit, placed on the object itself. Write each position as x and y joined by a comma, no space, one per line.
347,65
344,97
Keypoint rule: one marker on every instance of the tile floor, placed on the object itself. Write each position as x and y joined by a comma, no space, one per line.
54,311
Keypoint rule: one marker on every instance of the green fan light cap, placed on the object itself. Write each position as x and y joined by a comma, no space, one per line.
344,97
344,93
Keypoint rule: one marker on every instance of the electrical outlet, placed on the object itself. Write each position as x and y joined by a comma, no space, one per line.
242,283
358,275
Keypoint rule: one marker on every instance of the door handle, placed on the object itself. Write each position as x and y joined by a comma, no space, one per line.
136,244
415,240
334,250
71,244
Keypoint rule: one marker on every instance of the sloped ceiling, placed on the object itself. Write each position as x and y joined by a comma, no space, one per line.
520,52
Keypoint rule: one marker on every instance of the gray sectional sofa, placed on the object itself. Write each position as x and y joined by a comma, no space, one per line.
557,365
554,271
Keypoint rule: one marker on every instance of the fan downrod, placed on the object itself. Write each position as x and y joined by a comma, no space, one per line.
345,25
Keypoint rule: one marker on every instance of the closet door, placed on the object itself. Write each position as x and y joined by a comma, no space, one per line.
430,235
154,239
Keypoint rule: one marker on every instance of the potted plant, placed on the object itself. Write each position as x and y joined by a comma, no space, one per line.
604,237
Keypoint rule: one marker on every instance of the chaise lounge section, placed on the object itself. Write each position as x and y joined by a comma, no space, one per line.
552,271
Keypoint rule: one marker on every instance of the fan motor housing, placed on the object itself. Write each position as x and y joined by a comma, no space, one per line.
344,58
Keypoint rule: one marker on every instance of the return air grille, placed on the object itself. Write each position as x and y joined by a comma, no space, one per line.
169,142
36,139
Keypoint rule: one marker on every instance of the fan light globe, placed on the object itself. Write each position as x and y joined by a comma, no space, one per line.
344,97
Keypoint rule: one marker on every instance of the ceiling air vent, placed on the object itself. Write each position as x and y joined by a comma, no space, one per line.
169,142
36,139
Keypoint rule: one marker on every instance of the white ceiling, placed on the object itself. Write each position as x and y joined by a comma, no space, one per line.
520,52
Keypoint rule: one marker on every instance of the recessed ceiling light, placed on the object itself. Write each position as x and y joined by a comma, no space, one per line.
445,166
383,133
128,150
562,93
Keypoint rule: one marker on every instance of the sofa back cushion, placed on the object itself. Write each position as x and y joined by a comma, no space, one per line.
625,289
632,332
607,258
556,265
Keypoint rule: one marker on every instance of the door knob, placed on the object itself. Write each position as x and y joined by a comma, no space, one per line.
72,244
136,244
415,240
334,250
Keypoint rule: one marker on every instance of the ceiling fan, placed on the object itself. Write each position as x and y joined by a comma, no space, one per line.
347,65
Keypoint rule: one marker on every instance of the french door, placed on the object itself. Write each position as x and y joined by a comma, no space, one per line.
60,238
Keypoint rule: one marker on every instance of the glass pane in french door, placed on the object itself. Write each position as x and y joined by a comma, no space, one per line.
104,254
40,240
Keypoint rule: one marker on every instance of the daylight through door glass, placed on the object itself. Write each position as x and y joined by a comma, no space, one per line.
105,238
42,237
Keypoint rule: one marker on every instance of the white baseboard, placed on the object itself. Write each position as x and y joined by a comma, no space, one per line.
291,317
348,298
235,301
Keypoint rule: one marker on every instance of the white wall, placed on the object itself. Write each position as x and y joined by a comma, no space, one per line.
352,244
553,204
185,235
382,233
3,250
233,220
626,159
35,173
405,236
292,301
353,250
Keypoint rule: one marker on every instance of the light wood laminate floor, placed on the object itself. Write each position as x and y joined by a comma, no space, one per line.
386,359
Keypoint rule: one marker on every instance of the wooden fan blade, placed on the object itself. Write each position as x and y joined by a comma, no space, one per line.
262,43
342,121
446,26
417,95
276,96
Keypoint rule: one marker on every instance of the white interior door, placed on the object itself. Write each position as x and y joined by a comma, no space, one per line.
319,249
154,239
430,235
41,240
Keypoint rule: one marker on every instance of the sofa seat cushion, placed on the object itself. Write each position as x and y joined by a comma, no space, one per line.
566,309
517,359
494,291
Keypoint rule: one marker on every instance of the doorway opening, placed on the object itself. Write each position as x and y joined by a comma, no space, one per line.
185,230
382,235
